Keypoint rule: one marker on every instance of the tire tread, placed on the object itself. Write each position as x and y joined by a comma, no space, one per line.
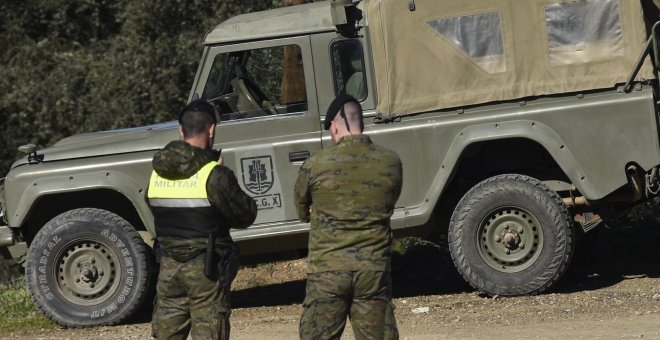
561,256
109,218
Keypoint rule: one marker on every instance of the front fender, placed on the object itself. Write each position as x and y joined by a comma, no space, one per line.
126,174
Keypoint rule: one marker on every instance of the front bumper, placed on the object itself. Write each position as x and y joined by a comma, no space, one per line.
6,234
11,246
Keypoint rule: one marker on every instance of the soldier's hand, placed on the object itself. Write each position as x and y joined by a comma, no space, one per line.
218,154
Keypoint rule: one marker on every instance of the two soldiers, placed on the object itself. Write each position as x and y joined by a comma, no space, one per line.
347,192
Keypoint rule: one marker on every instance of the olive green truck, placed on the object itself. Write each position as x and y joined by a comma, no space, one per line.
520,124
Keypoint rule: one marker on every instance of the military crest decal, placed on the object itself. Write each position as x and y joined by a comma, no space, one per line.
257,174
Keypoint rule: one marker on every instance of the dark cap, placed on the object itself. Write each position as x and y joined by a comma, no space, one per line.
335,106
199,105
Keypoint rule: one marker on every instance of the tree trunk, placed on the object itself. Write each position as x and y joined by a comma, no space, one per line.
293,79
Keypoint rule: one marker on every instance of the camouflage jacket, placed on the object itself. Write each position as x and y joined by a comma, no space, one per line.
179,160
351,189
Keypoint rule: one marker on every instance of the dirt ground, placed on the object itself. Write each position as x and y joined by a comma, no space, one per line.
612,291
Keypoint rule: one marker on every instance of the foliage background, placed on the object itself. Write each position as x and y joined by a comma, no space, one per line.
71,66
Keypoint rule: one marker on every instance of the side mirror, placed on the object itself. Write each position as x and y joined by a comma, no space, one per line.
345,16
27,148
31,151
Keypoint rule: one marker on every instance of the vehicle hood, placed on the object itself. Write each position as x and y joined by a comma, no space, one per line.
93,144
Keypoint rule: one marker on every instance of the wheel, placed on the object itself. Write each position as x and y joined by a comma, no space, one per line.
88,267
511,235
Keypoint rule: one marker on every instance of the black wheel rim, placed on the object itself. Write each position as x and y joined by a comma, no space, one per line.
509,239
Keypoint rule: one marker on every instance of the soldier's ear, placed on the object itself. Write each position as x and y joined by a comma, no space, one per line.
211,132
336,127
334,130
181,135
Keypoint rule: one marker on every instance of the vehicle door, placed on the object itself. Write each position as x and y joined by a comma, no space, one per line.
265,94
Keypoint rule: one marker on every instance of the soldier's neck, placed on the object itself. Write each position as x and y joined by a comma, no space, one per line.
201,142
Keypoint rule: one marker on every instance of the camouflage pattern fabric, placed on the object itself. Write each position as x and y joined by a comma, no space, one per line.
351,188
328,302
188,302
225,260
179,160
348,193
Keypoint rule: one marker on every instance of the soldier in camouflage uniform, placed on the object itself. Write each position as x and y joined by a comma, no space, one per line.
195,201
348,192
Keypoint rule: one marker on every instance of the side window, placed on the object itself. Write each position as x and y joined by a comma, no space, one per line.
478,36
348,68
258,82
583,31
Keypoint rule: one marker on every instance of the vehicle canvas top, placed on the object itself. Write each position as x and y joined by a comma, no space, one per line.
454,53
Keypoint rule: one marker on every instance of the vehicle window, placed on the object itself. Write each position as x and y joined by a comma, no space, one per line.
258,82
348,68
583,31
478,36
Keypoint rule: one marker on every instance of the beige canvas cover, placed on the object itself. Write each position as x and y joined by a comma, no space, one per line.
449,53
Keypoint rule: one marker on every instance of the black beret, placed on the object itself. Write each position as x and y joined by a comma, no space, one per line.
199,105
335,106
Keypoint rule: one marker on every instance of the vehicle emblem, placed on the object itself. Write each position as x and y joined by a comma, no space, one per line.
257,174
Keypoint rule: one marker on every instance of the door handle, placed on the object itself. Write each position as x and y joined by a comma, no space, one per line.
298,156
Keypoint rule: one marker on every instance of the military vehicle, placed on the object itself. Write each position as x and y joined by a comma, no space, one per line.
520,124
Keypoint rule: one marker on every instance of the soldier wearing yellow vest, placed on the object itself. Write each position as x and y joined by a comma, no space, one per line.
195,200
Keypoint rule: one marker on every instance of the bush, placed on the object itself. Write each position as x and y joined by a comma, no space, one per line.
87,65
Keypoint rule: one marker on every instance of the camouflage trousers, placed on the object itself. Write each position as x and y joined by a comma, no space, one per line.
188,302
363,296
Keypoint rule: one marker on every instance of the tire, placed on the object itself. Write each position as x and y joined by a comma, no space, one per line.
88,267
511,235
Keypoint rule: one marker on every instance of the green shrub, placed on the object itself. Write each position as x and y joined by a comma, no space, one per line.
88,65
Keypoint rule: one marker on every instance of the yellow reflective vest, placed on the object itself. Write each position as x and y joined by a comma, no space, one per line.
181,207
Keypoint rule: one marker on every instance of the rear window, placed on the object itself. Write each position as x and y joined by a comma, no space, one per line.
583,31
477,36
